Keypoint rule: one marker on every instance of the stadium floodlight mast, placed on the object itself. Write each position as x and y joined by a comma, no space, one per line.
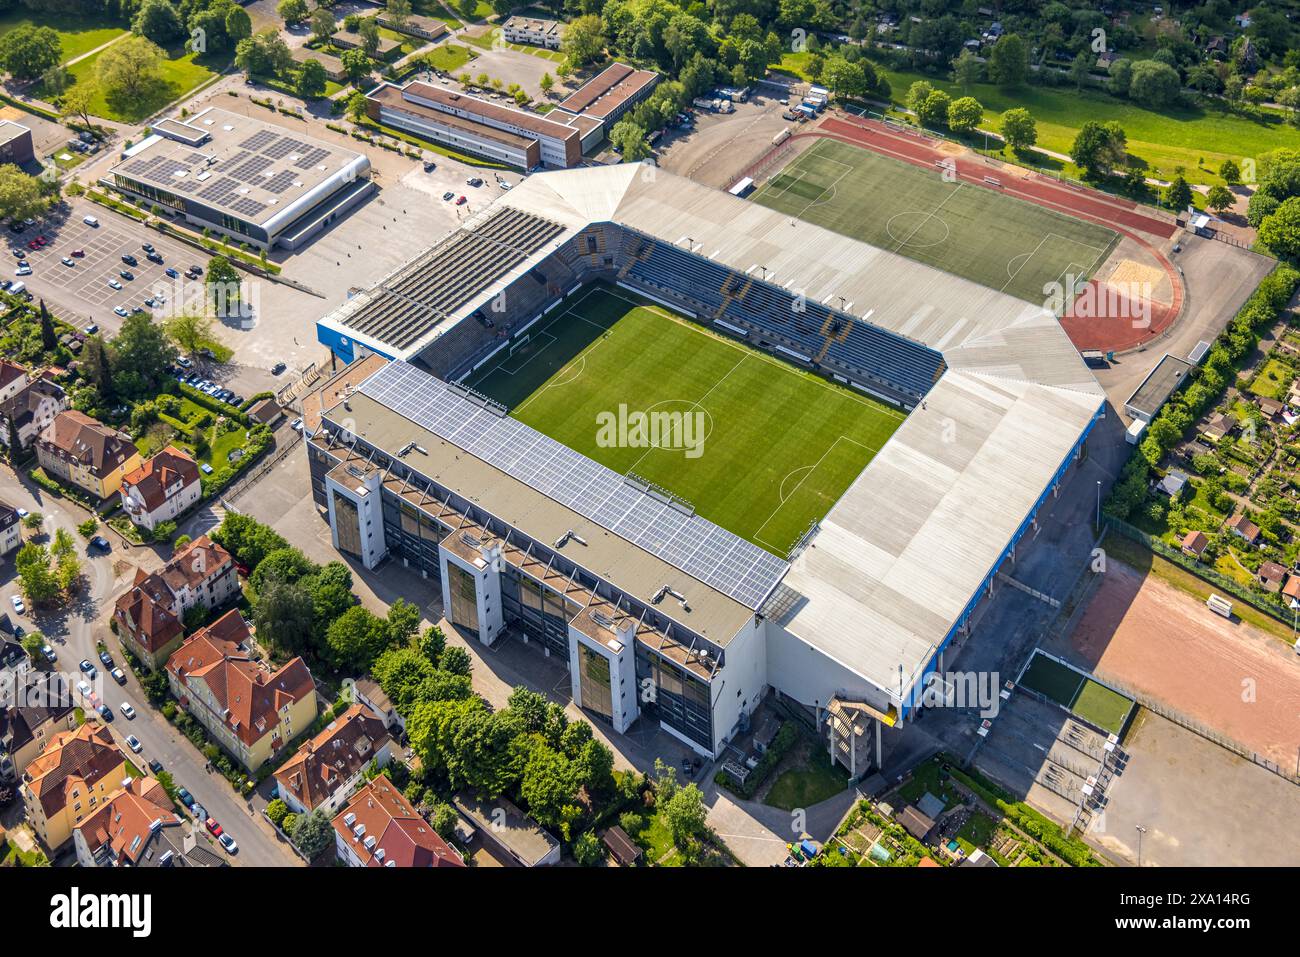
1141,830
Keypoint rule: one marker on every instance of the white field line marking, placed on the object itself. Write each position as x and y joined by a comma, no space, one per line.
933,213
811,471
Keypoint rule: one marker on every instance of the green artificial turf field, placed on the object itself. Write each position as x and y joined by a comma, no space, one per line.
1089,699
776,445
966,230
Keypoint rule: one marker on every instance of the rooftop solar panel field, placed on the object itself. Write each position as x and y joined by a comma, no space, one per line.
763,450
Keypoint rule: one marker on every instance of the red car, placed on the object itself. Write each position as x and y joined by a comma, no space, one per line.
78,253
213,826
461,201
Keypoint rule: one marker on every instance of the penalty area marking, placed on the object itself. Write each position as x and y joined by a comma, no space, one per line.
807,470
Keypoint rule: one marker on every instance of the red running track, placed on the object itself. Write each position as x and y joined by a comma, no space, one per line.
1097,329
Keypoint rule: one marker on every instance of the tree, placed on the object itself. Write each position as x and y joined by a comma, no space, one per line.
1154,84
934,111
247,540
28,51
313,833
368,30
356,64
239,25
967,70
12,440
129,68
917,94
311,79
1220,198
1081,68
964,114
845,79
583,40
20,194
356,108
587,849
322,24
293,12
684,814
1009,61
31,643
1280,232
222,281
547,83
190,331
356,638
432,644
67,566
277,811
1019,129
1179,194
403,621
1230,172
49,340
455,660
330,589
77,101
140,356
288,565
36,577
1098,148
399,11
628,139
284,617
158,21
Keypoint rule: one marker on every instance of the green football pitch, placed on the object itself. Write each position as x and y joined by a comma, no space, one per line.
1087,698
772,446
969,231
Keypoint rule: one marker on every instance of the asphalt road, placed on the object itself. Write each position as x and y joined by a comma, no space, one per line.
72,634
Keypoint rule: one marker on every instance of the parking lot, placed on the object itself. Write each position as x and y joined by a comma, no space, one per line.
81,292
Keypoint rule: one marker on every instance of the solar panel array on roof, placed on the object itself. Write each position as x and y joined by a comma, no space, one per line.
712,555
259,139
247,207
414,300
280,182
250,168
283,147
311,158
221,190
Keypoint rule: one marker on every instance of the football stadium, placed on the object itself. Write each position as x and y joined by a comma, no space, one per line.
697,447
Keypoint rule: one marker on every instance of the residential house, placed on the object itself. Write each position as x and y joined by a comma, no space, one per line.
379,828
11,529
149,617
1242,20
1272,576
251,711
69,781
1243,528
13,379
137,827
1173,483
266,412
426,28
1195,543
1271,408
31,411
1217,48
14,663
1106,58
45,709
534,31
1291,589
75,448
915,823
1220,425
625,850
367,692
161,489
328,768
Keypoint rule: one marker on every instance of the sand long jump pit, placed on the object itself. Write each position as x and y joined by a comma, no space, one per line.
1141,632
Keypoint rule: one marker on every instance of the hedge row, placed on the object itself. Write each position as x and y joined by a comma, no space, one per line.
1208,383
212,405
785,740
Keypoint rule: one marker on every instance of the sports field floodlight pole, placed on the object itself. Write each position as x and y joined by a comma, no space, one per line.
1141,830
1099,505
1295,618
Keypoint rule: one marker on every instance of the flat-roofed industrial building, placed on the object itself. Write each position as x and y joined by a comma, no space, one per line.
249,179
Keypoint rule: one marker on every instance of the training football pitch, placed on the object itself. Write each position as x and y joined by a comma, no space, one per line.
969,231
1087,698
775,445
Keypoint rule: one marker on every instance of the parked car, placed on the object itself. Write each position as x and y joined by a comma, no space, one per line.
50,654
156,766
134,744
101,543
154,258
296,425
106,658
126,274
78,254
91,221
461,201
228,842
184,363
91,329
196,269
114,284
67,261
184,796
105,712
213,826
23,270
171,273
130,260
120,311
448,196
147,247
128,712
118,675
17,602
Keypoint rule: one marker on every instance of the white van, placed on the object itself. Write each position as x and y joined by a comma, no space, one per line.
18,288
91,221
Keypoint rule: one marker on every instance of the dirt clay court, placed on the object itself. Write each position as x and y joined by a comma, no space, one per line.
1142,633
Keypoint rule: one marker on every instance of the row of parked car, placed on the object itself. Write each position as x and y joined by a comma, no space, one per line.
206,386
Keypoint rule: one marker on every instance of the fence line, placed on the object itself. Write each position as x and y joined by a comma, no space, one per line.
240,486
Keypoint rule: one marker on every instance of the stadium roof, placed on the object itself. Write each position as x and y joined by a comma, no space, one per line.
897,561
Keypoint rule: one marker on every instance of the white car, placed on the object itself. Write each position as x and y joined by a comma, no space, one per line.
21,512
83,687
114,284
17,602
120,311
128,712
133,743
90,221
23,270
68,261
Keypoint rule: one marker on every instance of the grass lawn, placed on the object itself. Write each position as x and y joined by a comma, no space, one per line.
1274,380
1105,708
449,57
1161,140
770,447
993,239
978,831
435,9
1052,679
928,777
78,33
180,75
219,445
806,786
489,40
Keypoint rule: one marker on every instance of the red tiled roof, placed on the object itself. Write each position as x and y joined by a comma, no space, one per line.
81,757
77,437
125,820
152,479
391,834
322,764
